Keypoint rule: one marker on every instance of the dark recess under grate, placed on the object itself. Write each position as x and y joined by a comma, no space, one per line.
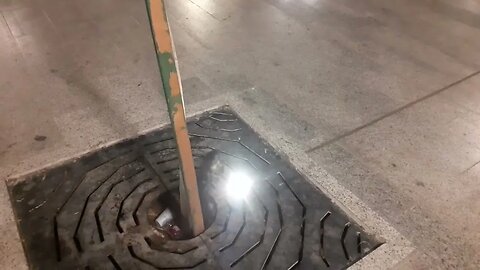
93,212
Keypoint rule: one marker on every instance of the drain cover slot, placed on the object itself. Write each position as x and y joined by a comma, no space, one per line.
99,211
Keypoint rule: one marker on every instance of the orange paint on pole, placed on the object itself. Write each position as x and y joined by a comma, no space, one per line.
173,93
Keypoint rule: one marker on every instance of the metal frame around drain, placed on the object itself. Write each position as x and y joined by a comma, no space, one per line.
240,237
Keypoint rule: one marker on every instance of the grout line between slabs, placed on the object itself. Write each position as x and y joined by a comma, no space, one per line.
376,120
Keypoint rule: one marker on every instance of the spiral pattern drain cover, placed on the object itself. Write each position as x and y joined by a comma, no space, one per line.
98,211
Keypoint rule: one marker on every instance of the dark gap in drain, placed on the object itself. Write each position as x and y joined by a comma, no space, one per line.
230,140
223,113
255,153
120,209
118,155
148,241
151,245
160,150
174,158
83,178
322,235
57,239
160,175
302,228
134,255
75,238
213,138
167,171
219,129
77,244
155,142
262,236
169,199
177,226
115,264
134,214
99,227
61,183
272,248
97,209
185,251
228,154
359,243
344,234
166,160
250,249
172,170
57,212
237,235
225,224
280,218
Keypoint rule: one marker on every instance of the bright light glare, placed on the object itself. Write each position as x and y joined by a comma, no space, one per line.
238,186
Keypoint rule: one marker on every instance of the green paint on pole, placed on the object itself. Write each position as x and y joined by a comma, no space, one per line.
166,65
189,197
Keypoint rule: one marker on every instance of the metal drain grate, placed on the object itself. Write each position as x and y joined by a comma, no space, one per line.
96,212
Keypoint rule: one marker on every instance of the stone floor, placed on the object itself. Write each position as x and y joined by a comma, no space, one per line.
383,95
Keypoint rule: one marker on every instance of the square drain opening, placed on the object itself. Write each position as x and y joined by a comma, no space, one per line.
96,212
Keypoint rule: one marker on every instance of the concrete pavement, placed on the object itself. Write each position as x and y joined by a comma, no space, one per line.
381,96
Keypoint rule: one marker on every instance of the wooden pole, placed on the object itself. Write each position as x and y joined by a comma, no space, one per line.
167,63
